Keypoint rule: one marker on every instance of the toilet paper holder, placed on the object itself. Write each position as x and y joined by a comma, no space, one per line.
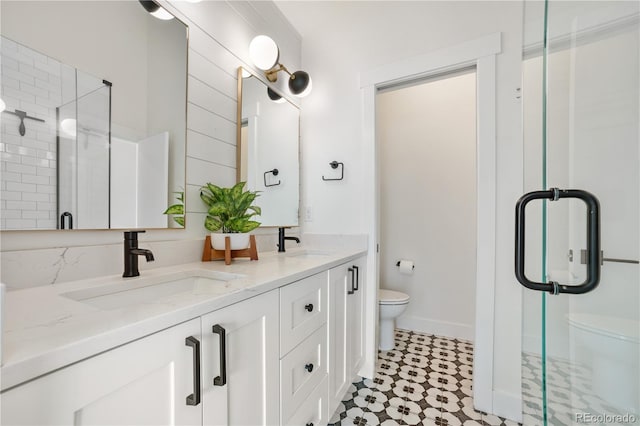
398,265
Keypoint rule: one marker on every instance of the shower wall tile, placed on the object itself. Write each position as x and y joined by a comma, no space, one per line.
27,161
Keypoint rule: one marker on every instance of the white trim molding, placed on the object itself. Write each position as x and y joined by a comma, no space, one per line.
480,54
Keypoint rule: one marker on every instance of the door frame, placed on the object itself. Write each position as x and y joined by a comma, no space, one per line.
481,54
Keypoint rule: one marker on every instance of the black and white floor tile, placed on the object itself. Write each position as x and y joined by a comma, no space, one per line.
425,380
569,392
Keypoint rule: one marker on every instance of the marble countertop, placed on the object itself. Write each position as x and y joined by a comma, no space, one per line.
49,327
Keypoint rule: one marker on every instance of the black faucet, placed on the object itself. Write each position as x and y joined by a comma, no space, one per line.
282,238
131,253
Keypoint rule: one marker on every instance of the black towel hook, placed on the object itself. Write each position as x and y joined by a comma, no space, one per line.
273,172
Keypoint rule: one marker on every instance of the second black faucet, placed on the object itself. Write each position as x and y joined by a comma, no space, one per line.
131,253
282,239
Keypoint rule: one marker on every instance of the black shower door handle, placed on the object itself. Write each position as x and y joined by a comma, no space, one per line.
593,241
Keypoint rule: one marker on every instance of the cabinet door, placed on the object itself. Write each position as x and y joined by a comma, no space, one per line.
249,394
146,382
339,372
355,312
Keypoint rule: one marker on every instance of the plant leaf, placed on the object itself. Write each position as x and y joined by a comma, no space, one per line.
212,223
179,220
175,209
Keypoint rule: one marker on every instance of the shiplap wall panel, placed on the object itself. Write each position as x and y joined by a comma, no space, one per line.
210,73
205,147
212,100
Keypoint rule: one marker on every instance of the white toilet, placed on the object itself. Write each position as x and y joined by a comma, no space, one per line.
392,304
612,347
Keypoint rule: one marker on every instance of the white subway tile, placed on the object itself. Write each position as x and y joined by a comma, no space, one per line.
50,68
10,63
31,196
47,136
30,70
7,44
36,91
20,168
21,205
16,74
32,161
11,214
46,189
28,52
11,195
21,150
7,81
24,187
46,224
46,154
9,158
10,177
34,214
18,94
46,206
21,224
50,86
46,171
42,180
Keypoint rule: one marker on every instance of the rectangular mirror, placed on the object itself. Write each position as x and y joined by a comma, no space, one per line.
94,126
268,152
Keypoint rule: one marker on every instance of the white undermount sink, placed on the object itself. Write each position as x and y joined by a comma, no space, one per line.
159,289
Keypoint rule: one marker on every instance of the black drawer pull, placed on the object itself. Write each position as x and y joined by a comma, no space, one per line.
309,307
311,424
356,286
221,380
353,277
309,367
194,398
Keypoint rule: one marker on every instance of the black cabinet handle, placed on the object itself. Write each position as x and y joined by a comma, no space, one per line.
309,307
66,215
357,282
593,241
352,278
309,424
221,380
309,367
194,398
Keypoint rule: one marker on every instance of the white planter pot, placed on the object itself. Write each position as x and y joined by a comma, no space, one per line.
238,241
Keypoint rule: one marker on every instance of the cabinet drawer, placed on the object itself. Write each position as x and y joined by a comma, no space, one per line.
302,370
313,411
303,308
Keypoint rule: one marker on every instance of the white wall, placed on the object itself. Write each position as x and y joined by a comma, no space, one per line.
220,33
427,141
342,40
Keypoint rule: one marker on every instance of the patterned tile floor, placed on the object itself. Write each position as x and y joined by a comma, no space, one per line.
425,380
569,392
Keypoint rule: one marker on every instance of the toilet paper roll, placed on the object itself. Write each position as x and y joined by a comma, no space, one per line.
406,267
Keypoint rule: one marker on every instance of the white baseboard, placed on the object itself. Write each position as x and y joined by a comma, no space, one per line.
507,405
439,328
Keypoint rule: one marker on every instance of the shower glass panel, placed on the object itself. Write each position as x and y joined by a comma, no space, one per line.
83,153
581,99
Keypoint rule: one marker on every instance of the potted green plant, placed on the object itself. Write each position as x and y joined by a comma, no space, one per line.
230,211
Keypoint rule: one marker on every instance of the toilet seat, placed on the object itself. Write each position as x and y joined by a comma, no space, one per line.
390,297
618,328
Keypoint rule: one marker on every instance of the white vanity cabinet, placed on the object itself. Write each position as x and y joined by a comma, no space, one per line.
147,382
240,377
345,328
303,351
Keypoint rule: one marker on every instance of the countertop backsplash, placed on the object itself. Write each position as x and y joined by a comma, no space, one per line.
31,268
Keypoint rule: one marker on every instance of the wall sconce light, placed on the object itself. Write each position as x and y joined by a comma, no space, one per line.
265,54
275,97
156,10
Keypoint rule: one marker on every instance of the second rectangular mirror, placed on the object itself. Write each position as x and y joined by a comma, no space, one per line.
268,151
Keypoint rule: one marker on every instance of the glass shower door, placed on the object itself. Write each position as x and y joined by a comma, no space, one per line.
581,114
